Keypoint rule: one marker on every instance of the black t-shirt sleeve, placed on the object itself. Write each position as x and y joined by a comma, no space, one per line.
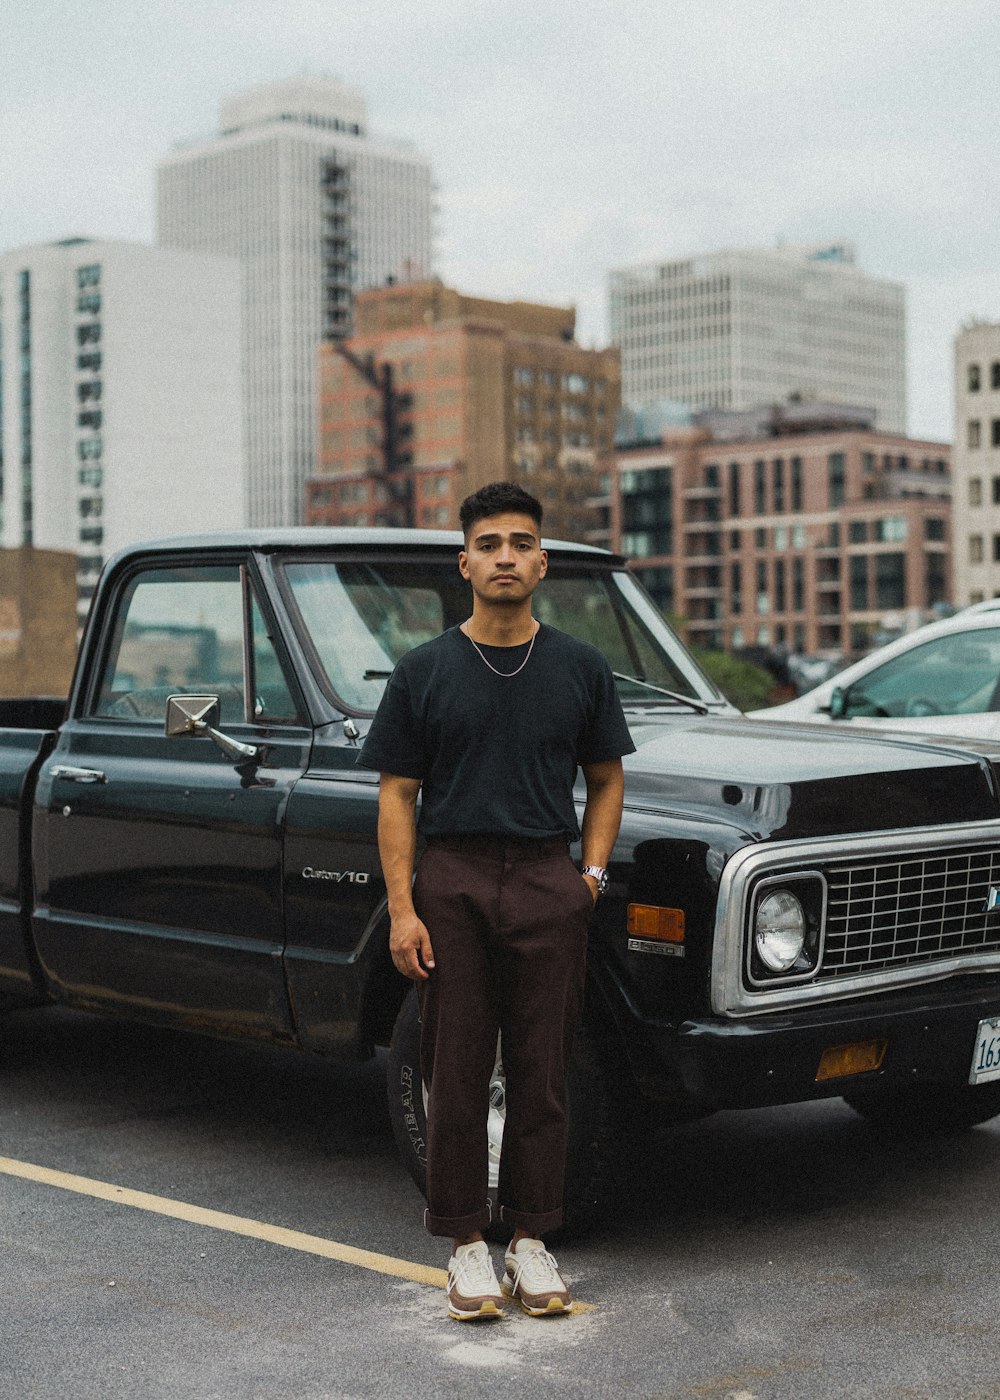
394,743
606,735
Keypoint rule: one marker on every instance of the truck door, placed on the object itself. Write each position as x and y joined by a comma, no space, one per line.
158,860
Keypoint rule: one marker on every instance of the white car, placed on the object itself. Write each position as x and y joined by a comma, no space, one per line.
944,678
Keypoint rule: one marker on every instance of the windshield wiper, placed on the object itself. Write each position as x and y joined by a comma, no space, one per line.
697,705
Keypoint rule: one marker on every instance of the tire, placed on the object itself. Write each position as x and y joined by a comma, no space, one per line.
597,1089
926,1110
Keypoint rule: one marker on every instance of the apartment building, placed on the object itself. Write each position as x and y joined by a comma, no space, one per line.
120,397
741,328
438,393
315,207
976,463
806,531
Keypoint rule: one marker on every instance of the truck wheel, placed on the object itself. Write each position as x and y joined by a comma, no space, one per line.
921,1110
595,1097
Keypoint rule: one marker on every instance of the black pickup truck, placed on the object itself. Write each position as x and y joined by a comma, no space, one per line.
792,914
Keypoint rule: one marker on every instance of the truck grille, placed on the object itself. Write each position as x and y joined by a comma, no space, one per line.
917,908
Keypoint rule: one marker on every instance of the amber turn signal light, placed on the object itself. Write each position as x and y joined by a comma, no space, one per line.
655,921
860,1057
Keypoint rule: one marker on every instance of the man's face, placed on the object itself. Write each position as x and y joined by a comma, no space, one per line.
503,558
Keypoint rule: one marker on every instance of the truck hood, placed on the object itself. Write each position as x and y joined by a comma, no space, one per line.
785,781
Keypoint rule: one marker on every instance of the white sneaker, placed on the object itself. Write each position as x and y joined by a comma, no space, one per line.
532,1277
473,1290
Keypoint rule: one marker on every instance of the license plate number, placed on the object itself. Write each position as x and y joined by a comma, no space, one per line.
986,1056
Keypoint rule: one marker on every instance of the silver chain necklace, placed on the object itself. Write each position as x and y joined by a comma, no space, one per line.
507,674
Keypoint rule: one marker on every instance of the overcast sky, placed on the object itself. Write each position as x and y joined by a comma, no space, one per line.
566,138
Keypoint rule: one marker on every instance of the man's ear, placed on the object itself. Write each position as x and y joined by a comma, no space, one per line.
463,563
545,564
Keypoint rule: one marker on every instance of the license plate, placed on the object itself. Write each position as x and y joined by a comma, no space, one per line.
986,1056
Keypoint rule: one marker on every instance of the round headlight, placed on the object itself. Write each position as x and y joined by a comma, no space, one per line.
779,931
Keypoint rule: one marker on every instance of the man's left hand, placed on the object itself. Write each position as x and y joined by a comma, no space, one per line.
592,886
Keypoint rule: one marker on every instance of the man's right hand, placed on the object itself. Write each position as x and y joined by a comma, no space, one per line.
410,946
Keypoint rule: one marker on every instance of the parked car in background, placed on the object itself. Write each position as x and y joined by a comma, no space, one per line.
944,678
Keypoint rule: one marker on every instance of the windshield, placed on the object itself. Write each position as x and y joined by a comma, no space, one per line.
360,618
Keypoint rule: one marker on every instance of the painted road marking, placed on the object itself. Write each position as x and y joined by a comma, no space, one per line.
235,1224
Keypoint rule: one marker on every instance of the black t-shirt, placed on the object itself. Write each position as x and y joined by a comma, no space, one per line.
497,755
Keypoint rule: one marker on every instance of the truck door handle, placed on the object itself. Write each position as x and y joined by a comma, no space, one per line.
78,775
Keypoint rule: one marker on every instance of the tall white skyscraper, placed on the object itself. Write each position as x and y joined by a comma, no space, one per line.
120,397
316,209
742,328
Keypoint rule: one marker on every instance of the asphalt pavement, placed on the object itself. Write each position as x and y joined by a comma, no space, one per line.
757,1256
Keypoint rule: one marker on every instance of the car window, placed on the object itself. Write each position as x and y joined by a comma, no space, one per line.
180,631
360,618
957,674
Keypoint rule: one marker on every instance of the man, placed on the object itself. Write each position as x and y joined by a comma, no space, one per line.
490,721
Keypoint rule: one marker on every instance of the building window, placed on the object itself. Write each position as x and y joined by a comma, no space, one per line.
975,549
973,433
779,586
975,491
88,335
835,478
796,483
798,587
859,582
891,530
88,276
89,303
524,377
778,480
734,488
759,489
890,580
735,589
92,360
780,537
760,538
934,528
90,419
575,384
995,375
996,549
973,379
857,532
763,593
995,432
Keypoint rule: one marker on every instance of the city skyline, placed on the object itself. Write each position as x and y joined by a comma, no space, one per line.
562,150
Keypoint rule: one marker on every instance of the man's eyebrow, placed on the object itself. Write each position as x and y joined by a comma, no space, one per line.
495,535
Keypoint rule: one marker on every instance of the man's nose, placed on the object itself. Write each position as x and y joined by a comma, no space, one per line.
505,554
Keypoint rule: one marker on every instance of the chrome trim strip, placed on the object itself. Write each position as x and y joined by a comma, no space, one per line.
731,998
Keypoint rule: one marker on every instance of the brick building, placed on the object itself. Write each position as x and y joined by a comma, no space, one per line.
437,393
797,528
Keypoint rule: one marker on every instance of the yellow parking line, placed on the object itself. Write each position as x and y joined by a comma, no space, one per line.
235,1224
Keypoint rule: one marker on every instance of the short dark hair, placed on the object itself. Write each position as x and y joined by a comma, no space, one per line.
498,498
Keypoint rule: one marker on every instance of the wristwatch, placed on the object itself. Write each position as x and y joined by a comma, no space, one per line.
598,873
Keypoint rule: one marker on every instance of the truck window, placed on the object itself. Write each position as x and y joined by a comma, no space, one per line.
180,631
362,617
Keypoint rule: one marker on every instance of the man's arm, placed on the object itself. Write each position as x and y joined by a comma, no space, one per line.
602,815
409,941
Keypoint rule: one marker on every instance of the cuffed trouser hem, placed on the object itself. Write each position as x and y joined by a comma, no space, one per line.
455,1226
539,1223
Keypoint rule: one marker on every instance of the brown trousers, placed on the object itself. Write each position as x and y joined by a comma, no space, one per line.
508,923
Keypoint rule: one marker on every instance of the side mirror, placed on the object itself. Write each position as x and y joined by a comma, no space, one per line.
838,703
199,714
